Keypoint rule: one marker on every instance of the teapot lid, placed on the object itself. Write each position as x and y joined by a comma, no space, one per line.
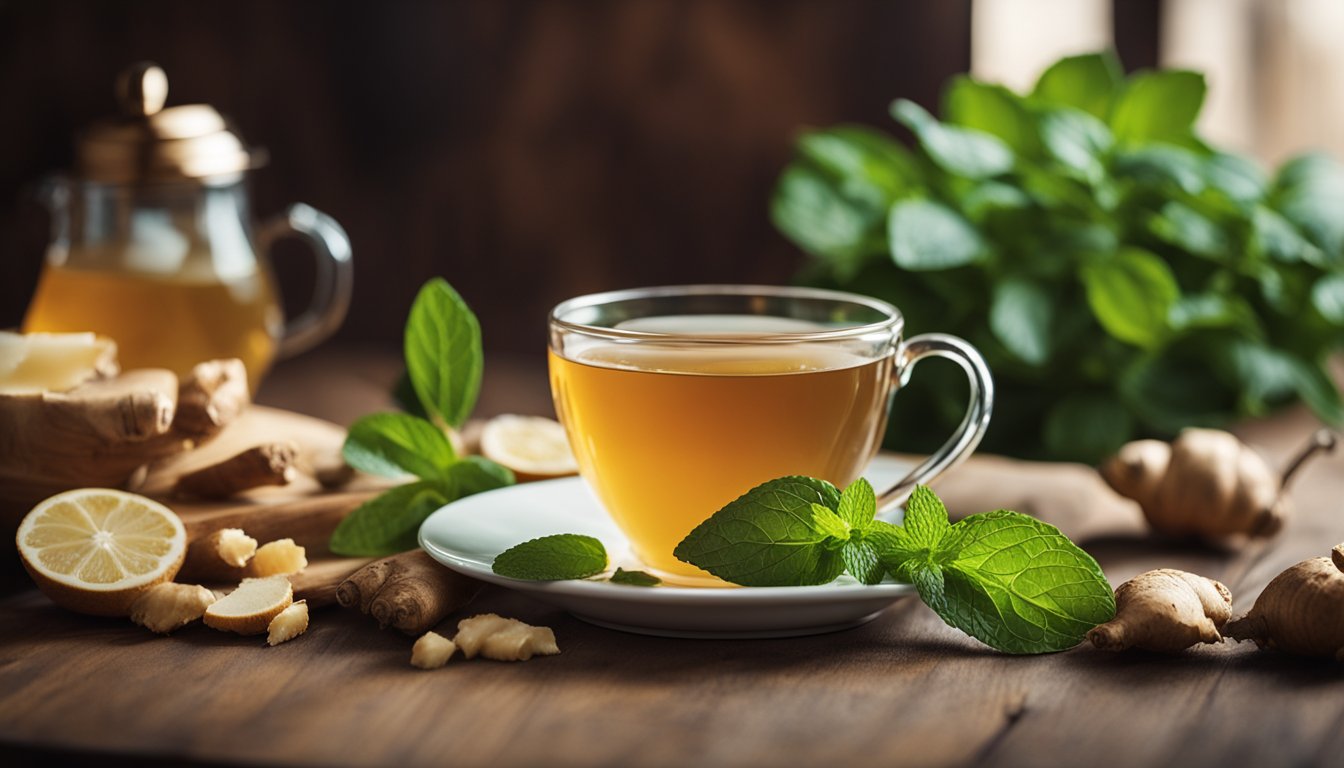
147,143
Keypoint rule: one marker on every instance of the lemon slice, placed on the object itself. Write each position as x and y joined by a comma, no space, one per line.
95,550
534,447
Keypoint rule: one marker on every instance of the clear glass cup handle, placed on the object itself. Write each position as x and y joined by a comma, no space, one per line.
972,427
335,274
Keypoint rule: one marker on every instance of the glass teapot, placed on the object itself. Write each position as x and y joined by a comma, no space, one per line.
153,245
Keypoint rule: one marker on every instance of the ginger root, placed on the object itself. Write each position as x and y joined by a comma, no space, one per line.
1301,611
219,556
1165,610
102,432
1207,484
288,624
265,464
501,639
281,557
249,609
168,606
407,591
432,651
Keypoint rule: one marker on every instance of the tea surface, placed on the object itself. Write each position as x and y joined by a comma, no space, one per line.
667,435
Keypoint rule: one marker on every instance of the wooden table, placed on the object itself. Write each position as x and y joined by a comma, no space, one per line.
901,690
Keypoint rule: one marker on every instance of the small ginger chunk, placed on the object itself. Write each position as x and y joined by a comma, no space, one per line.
501,639
281,557
165,607
248,610
288,624
234,547
432,651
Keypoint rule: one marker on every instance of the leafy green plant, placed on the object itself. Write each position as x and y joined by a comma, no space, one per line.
444,362
1122,276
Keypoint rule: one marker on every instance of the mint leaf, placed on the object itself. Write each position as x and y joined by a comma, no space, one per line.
388,523
765,538
825,521
858,504
924,235
1158,106
1021,317
961,151
926,520
476,474
1131,295
443,352
1016,584
552,558
993,109
863,560
634,578
1086,82
396,444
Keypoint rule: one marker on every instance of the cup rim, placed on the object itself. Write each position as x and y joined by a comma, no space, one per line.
892,324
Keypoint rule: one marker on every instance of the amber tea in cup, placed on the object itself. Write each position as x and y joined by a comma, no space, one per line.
678,400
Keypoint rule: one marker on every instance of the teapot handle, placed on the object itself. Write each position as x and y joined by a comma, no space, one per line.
335,274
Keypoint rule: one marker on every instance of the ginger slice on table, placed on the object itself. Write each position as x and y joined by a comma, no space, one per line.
288,624
168,606
248,610
432,651
501,639
281,557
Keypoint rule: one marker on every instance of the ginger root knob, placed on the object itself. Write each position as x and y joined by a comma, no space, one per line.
1301,611
1165,610
1207,484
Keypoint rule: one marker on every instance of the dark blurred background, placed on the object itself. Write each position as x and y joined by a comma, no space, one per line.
526,150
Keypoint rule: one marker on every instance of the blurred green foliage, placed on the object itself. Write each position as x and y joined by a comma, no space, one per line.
1121,276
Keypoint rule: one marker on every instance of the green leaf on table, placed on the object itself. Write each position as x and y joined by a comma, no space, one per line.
443,352
1131,294
1016,584
1077,140
397,444
766,538
477,474
926,521
388,523
1158,106
960,151
1327,296
1020,315
634,578
992,109
858,504
553,558
1088,82
925,235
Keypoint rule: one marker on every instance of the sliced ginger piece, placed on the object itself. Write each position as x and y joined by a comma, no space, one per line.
168,606
288,624
53,362
432,651
248,610
220,556
501,639
281,557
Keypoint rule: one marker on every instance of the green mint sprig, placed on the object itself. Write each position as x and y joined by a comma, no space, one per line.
1007,579
444,362
553,558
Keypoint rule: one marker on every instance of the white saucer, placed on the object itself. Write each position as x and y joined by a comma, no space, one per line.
466,535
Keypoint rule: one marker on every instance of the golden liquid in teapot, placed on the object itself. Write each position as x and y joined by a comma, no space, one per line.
167,321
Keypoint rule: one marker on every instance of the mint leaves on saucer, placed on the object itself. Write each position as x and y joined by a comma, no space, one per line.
553,558
1007,579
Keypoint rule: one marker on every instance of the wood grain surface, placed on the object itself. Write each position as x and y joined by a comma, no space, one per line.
901,690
